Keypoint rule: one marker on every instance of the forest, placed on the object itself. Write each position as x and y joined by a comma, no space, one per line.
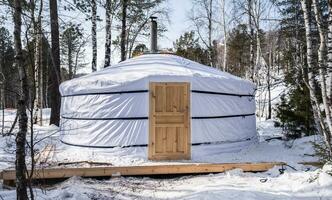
283,47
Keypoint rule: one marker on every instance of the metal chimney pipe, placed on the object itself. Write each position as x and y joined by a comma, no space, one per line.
153,47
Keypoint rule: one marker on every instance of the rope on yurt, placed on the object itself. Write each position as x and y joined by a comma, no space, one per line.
224,116
222,93
104,93
145,91
105,118
145,118
145,145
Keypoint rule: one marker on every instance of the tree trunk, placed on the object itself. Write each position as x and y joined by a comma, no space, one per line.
322,72
258,54
54,74
2,91
269,111
70,59
21,182
225,35
319,121
329,52
251,28
38,104
123,29
108,43
209,10
94,35
256,12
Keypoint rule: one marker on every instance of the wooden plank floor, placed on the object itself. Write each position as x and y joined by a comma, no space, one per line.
109,171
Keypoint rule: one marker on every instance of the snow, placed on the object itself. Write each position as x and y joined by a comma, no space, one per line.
230,185
296,182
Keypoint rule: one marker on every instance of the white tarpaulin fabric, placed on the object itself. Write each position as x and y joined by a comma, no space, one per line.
95,113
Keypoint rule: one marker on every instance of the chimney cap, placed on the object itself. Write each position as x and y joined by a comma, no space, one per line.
153,18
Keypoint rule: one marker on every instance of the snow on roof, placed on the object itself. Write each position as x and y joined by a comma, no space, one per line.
146,66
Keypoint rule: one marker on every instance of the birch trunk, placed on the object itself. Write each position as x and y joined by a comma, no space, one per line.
123,29
322,72
209,14
108,42
21,182
2,89
223,12
70,58
258,54
251,28
306,8
256,13
94,34
329,52
38,115
269,66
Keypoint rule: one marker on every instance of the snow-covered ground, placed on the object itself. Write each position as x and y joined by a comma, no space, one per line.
230,185
299,182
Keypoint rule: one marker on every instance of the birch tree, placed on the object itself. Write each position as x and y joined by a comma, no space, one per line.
319,119
256,15
223,16
38,38
329,51
108,43
203,18
251,37
322,72
21,182
111,7
123,41
94,34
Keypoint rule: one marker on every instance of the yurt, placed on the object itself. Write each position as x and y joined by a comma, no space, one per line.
164,103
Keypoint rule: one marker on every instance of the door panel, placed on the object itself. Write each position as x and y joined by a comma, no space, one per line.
169,135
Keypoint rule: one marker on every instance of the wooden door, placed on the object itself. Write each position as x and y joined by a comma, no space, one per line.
169,135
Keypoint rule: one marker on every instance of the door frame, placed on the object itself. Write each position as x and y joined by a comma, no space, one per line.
151,134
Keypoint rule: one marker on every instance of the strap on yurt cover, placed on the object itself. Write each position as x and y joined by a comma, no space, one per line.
144,91
145,145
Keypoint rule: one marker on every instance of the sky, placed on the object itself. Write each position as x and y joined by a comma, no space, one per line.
179,22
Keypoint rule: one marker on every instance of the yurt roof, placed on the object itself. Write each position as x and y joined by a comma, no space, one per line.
151,67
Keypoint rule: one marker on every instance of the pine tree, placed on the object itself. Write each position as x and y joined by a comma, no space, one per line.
188,46
9,85
72,49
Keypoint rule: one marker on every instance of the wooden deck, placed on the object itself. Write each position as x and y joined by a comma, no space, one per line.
107,170
110,171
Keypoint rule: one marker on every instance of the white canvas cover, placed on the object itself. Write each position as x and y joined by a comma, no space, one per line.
94,112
